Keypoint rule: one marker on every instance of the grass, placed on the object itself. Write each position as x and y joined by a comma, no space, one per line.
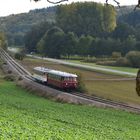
123,91
25,116
124,69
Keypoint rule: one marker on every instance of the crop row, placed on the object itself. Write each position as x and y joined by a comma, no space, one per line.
25,116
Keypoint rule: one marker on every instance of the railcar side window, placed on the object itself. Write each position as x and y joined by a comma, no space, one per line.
54,77
62,78
74,79
66,78
71,79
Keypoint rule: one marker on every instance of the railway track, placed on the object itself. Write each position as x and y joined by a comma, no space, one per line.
111,103
24,73
11,62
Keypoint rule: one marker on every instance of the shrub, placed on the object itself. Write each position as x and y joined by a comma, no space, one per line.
19,78
106,63
81,86
19,56
134,58
123,62
116,54
90,59
9,77
9,71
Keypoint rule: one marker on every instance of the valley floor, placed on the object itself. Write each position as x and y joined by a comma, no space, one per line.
96,83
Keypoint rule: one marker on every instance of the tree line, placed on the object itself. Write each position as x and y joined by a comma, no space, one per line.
16,26
75,20
83,29
56,43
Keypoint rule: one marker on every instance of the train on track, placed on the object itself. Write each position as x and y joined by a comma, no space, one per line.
55,78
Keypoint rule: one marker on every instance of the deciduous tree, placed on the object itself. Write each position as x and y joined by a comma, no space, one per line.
3,41
51,44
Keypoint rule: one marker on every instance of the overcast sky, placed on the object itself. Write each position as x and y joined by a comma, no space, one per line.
8,7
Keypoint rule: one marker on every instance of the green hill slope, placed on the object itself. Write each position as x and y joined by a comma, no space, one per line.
123,10
25,116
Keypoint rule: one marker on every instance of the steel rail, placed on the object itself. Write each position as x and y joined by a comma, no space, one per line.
21,71
108,102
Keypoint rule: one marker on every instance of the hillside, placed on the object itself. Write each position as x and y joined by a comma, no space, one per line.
17,25
132,18
124,10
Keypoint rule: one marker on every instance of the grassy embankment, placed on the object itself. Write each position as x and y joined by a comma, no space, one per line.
25,116
116,90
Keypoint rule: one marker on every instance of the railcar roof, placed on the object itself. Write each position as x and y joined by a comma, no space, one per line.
55,72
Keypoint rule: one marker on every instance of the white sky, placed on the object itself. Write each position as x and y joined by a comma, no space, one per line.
8,7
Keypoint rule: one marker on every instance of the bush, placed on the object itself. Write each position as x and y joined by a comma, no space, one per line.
106,63
19,56
9,77
81,86
19,78
116,54
134,58
9,71
123,62
90,59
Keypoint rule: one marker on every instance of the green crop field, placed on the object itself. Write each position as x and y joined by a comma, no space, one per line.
120,90
24,116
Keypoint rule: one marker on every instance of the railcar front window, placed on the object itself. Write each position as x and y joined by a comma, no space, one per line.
62,78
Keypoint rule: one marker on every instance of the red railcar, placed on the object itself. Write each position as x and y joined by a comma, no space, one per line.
62,80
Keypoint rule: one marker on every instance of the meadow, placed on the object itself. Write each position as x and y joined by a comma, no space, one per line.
95,82
26,116
124,69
